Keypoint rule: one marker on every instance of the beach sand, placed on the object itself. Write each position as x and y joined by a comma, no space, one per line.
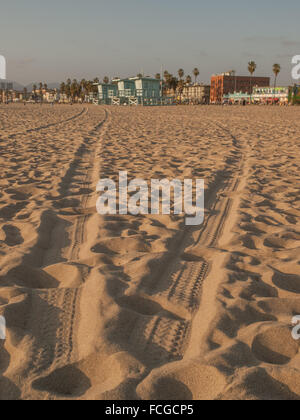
145,307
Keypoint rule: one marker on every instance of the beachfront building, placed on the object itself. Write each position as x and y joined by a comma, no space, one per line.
126,88
132,91
51,96
196,93
236,98
6,92
261,95
6,86
107,91
148,88
227,83
10,95
270,95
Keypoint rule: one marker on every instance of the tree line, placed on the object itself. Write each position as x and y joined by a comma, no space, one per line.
76,90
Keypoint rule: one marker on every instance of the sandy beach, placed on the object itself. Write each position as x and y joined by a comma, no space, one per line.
145,307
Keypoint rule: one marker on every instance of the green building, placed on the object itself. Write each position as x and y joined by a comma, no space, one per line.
126,88
106,91
236,98
132,91
148,88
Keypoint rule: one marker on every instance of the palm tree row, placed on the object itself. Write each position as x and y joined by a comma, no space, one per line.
79,90
252,66
178,83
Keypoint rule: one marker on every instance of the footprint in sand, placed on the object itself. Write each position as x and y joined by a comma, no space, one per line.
13,235
186,381
275,346
67,382
288,282
285,240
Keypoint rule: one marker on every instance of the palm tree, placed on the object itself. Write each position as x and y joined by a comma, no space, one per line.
196,73
62,89
68,88
89,86
181,74
157,76
173,83
82,85
139,75
41,91
106,80
188,80
96,81
180,87
34,88
251,68
74,89
276,71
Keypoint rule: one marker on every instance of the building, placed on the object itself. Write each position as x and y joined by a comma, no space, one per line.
6,86
226,83
107,91
7,93
51,96
267,95
237,98
147,87
196,93
132,91
126,88
261,95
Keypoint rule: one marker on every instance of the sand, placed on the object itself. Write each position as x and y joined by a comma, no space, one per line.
145,307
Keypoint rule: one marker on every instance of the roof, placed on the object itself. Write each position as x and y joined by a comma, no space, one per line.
152,79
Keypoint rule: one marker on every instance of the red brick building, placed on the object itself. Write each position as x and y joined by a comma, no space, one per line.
225,83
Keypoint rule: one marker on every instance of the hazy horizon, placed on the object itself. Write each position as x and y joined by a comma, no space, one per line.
50,42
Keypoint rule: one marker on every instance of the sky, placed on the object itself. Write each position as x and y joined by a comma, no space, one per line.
50,41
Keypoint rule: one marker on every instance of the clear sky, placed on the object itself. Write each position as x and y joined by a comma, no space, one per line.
50,40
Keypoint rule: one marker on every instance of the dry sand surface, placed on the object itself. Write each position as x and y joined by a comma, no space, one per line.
144,307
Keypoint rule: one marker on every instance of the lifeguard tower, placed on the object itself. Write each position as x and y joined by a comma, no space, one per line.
106,92
133,91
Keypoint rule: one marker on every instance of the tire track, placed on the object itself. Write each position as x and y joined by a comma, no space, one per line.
78,237
42,127
55,322
179,289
